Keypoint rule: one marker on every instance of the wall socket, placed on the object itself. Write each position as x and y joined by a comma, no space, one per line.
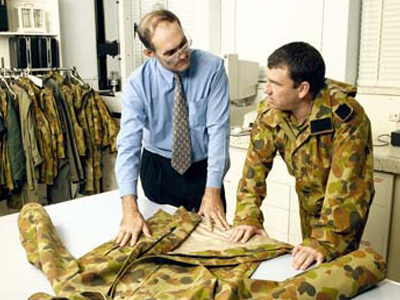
394,117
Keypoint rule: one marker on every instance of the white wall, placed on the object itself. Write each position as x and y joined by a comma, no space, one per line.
378,108
254,28
78,38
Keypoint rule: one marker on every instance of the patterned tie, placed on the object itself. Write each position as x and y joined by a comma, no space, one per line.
181,147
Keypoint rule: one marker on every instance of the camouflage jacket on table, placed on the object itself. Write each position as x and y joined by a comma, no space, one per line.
150,271
330,156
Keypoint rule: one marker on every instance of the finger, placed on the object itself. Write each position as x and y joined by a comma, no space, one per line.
218,219
237,235
262,232
299,259
308,262
224,222
201,213
125,239
134,238
233,234
320,259
119,236
295,250
208,222
247,235
146,230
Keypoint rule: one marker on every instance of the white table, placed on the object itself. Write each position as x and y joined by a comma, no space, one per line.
87,222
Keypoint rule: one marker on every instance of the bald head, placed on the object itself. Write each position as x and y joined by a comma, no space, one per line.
149,23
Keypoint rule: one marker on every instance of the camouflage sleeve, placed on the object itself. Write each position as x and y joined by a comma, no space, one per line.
252,186
349,190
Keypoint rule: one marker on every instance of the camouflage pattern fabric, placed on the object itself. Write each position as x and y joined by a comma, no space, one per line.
78,131
6,178
330,156
342,278
12,160
100,130
150,271
110,126
29,137
49,106
43,131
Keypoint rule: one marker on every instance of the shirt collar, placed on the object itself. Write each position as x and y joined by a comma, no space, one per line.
322,107
320,116
166,74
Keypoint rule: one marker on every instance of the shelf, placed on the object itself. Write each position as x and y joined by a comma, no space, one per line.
14,33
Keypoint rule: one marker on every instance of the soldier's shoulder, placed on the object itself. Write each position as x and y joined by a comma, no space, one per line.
345,107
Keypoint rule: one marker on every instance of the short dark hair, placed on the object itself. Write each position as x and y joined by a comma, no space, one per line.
149,23
304,62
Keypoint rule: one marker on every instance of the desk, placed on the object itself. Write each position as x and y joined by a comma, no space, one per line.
87,222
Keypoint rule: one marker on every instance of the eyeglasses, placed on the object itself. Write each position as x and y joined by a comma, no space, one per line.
173,58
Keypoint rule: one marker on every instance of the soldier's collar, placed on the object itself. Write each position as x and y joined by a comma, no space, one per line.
321,114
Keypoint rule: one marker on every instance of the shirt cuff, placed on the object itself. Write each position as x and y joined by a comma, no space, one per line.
127,189
214,180
247,221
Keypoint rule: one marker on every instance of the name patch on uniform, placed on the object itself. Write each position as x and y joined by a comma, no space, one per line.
344,111
321,126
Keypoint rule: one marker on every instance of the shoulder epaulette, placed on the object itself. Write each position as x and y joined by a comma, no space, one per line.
344,111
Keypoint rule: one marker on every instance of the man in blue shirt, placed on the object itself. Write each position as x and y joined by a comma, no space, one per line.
147,116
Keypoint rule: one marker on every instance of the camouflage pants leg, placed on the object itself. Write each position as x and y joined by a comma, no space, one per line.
43,246
342,278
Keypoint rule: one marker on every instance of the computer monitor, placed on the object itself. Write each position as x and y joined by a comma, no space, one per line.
243,79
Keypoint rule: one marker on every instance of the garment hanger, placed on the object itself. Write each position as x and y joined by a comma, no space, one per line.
3,79
36,80
74,74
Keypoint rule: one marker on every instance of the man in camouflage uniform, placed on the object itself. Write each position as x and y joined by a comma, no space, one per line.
324,136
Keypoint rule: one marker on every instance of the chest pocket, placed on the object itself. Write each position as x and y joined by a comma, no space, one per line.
197,112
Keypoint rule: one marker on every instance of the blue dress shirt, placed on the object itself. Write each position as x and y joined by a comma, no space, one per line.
147,115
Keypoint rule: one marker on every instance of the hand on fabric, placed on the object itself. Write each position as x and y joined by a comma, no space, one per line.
212,209
132,223
243,233
304,256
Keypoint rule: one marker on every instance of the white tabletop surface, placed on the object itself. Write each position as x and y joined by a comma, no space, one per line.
87,222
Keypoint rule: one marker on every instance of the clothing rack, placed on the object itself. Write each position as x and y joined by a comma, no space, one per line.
28,70
60,109
71,70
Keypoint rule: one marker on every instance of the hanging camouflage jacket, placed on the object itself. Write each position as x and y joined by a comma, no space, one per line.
44,133
330,156
152,270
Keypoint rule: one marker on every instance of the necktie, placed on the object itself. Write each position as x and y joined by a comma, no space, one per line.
181,147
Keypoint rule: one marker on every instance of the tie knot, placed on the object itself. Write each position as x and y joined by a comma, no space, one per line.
177,77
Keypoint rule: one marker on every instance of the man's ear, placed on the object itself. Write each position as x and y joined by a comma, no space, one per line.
304,89
148,53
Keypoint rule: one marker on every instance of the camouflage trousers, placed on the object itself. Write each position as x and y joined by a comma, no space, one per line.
150,271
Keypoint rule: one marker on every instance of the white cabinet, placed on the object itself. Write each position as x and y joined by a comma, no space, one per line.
275,207
377,230
281,207
393,266
231,180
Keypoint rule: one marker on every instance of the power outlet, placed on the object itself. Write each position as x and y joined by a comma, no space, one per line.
394,117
